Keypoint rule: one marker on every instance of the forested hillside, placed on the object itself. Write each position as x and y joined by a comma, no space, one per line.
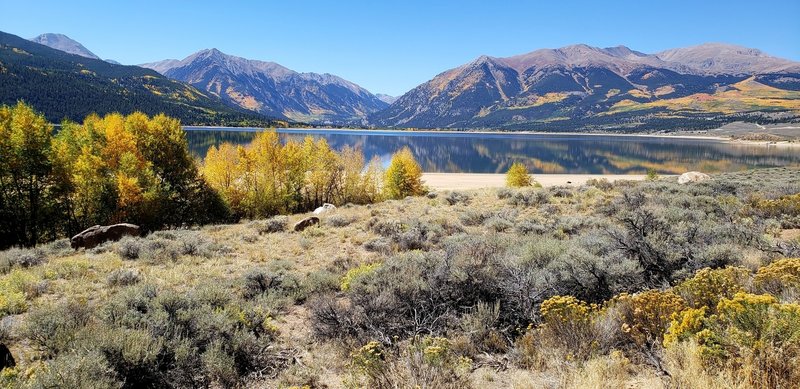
68,86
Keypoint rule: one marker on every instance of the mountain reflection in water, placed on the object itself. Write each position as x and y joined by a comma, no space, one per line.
542,153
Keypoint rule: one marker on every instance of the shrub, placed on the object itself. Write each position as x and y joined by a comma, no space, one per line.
779,277
159,250
646,316
708,286
753,337
567,322
379,245
195,243
58,248
17,257
530,198
16,288
562,191
123,277
54,328
532,227
498,224
429,362
600,183
339,220
504,193
272,225
456,197
387,228
76,369
473,217
403,177
652,174
355,273
517,176
278,288
209,340
129,248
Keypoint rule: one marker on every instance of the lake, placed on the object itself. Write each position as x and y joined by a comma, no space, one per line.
470,152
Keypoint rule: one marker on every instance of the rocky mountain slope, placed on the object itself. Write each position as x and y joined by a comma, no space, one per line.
588,87
65,44
271,89
63,85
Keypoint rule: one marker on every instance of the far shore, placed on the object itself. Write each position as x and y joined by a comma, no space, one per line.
463,181
675,135
488,132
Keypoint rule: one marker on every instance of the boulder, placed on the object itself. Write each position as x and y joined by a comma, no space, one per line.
688,177
97,235
6,359
305,223
324,209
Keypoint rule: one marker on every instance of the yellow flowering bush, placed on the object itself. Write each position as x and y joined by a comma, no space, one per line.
779,276
566,325
564,309
708,286
685,325
782,206
357,272
367,358
646,316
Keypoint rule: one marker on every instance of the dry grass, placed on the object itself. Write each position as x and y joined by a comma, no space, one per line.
320,256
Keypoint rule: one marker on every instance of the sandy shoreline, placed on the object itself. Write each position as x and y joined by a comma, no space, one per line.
461,181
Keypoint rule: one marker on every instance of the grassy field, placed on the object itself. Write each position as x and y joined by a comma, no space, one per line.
598,285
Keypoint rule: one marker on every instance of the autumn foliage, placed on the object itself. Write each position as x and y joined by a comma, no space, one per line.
517,176
268,177
403,176
109,169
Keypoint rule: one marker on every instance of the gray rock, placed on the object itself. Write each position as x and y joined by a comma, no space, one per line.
688,177
325,208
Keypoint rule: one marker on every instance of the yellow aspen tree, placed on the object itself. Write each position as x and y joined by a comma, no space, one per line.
403,177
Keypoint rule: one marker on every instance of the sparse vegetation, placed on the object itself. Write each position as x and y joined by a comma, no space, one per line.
650,284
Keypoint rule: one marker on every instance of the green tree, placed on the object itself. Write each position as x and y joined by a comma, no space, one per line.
517,176
28,196
652,174
403,177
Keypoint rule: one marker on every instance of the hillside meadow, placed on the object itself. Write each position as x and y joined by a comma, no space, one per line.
626,284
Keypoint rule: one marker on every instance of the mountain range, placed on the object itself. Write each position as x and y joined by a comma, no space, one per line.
587,87
577,87
70,86
273,90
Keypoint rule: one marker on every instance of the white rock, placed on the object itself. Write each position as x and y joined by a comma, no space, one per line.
324,209
688,177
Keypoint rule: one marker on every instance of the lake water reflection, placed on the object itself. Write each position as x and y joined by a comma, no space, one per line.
494,153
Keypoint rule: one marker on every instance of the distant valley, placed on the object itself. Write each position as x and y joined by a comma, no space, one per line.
572,88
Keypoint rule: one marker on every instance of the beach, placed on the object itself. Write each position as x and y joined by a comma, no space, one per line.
462,181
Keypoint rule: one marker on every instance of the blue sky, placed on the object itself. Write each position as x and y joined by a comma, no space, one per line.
392,46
